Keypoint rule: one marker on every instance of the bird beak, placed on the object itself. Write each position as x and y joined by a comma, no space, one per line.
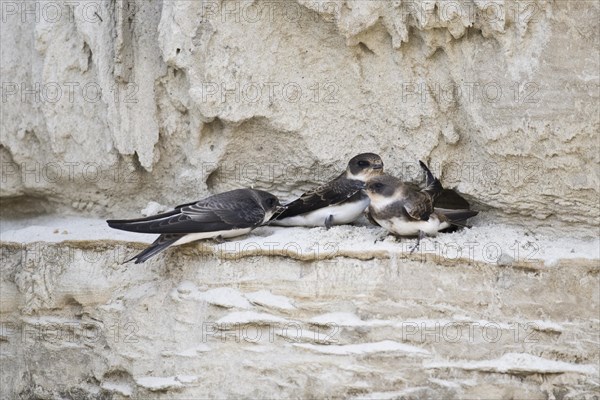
280,209
378,166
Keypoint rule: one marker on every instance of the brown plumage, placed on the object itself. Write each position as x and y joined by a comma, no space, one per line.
339,201
404,210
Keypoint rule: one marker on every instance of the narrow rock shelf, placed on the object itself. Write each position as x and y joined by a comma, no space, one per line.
345,312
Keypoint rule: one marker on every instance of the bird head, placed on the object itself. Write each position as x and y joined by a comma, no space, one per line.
382,189
270,203
364,166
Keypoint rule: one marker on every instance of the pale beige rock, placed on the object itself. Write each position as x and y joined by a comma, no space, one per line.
368,329
108,106
324,313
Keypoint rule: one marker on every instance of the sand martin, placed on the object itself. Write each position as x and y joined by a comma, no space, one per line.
340,201
404,210
223,215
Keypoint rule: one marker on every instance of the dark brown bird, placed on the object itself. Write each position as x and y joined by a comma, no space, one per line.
223,215
340,201
404,210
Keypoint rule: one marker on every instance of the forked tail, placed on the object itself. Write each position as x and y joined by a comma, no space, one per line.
156,247
456,217
433,185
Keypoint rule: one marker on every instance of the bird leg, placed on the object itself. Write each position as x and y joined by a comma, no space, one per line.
219,239
328,222
381,238
420,236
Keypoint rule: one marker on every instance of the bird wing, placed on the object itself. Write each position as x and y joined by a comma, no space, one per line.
418,205
450,199
433,186
455,217
334,192
224,211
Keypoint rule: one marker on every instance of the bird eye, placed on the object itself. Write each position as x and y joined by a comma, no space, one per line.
375,186
270,201
363,163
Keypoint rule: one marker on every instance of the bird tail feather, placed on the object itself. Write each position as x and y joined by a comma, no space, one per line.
433,186
142,225
457,218
156,247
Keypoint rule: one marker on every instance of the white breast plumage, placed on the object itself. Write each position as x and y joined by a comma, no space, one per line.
344,213
403,227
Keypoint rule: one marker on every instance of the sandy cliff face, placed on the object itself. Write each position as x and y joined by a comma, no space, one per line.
108,105
121,103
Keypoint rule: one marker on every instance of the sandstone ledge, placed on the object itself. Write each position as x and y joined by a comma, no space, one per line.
297,312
